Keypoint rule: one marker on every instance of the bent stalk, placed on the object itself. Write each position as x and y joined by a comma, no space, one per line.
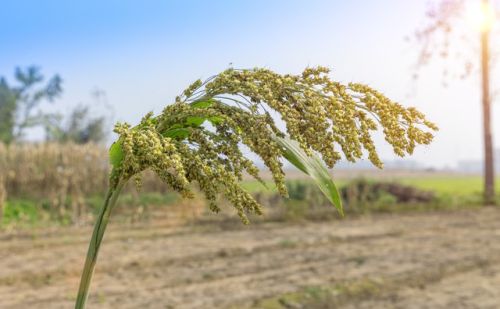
95,243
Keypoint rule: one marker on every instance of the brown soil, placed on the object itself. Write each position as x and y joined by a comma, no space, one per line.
432,260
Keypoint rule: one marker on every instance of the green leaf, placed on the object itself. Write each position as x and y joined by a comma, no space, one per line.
312,166
181,130
203,104
215,120
195,121
177,133
116,154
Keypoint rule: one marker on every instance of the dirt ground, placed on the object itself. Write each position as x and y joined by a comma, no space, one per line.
431,260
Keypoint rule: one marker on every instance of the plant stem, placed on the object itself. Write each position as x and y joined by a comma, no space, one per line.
95,244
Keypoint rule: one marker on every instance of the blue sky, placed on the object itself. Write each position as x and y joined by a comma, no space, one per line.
143,53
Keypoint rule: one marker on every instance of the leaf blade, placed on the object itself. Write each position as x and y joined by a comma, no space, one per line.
116,154
180,133
312,166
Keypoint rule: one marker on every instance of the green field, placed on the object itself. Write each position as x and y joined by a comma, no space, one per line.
460,185
450,185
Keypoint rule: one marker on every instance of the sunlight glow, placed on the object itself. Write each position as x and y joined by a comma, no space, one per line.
480,16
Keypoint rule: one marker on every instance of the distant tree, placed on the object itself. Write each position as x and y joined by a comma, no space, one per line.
79,128
7,112
450,26
19,102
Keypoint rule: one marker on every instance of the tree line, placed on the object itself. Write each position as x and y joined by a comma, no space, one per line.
20,111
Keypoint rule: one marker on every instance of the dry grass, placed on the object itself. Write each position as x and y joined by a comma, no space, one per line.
3,196
60,175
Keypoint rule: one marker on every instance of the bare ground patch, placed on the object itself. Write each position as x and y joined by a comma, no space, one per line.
438,260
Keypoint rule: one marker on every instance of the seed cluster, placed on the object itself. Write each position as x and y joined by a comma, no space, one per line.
197,139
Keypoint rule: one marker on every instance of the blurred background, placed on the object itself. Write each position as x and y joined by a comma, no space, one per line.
421,233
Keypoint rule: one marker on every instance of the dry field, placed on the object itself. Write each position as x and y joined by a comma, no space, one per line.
425,260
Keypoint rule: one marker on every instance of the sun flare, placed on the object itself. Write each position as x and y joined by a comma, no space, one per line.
480,16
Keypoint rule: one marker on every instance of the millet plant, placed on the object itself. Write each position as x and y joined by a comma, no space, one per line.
199,138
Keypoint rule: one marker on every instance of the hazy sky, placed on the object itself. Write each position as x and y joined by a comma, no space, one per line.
143,53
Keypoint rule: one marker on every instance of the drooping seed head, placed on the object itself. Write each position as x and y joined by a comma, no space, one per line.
198,138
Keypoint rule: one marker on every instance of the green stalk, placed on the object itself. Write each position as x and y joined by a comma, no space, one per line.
95,244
